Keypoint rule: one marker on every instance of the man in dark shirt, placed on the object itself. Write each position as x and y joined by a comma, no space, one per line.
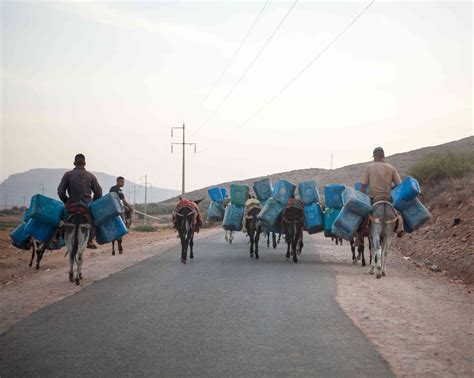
77,186
118,189
127,217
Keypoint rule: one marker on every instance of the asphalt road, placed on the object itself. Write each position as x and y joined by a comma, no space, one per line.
221,315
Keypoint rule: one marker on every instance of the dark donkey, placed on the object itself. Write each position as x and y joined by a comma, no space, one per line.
127,218
253,229
293,222
187,220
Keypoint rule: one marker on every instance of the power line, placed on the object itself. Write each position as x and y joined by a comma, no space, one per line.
247,69
235,52
305,68
301,72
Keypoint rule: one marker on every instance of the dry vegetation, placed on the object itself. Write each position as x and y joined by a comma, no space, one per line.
446,242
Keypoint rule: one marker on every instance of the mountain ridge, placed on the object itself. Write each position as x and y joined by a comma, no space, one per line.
348,174
18,188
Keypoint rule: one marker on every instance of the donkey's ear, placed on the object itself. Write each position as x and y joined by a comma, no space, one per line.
198,201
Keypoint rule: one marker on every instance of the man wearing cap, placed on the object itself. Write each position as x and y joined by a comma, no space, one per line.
381,178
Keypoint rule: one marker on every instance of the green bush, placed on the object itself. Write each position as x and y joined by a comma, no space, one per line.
436,167
145,228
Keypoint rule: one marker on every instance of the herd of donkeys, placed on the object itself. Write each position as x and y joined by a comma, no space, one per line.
340,213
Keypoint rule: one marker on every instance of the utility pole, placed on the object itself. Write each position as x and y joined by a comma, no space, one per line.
146,192
24,201
42,189
331,160
183,145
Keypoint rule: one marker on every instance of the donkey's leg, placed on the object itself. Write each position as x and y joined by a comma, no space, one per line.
360,251
251,239
388,233
257,239
69,240
82,238
268,239
120,248
39,255
113,248
353,248
191,245
376,230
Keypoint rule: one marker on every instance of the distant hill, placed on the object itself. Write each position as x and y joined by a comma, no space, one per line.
20,187
348,175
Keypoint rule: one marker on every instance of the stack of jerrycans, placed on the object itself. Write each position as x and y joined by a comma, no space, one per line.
309,194
333,200
234,212
270,216
106,212
216,207
45,214
405,199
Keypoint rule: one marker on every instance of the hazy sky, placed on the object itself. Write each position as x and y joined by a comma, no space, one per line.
110,79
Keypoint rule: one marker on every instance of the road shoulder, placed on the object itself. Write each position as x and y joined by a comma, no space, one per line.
421,323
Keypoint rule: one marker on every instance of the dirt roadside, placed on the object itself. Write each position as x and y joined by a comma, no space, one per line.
25,290
420,321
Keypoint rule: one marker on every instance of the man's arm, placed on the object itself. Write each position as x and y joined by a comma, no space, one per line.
62,188
96,189
396,177
364,180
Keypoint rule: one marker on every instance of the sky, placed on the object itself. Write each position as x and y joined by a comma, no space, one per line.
110,79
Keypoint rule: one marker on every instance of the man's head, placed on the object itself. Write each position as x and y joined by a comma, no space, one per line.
120,182
378,154
79,160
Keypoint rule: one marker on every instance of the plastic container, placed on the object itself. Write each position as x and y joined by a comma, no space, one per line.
39,230
407,190
239,194
20,238
329,217
358,186
215,211
106,208
314,218
356,201
263,189
215,194
308,191
224,193
346,224
46,210
333,195
233,218
282,191
270,214
111,230
415,215
27,215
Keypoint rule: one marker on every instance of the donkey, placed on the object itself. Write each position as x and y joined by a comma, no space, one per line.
383,222
187,220
128,223
253,229
37,249
293,222
358,242
76,234
275,241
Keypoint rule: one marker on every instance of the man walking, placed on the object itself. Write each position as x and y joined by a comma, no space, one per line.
127,217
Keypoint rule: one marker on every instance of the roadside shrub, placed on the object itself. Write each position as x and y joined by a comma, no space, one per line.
439,166
145,228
